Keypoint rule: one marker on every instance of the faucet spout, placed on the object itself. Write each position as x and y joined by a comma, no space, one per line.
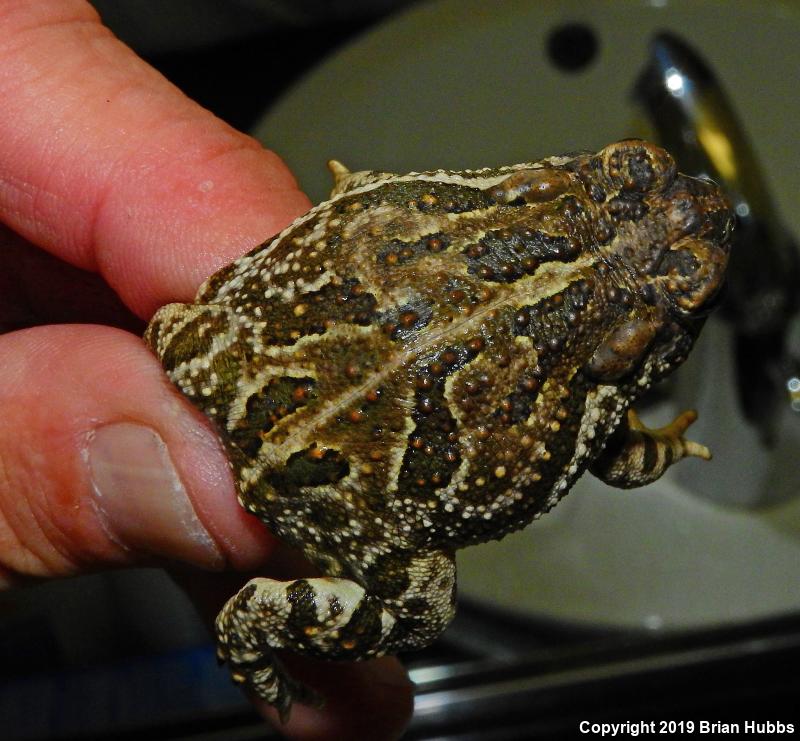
695,120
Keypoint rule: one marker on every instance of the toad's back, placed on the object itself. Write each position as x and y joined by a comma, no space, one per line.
430,360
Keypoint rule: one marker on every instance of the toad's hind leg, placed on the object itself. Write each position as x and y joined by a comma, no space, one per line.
636,455
324,617
329,618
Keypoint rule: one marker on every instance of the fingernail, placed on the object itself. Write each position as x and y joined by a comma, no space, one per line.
140,497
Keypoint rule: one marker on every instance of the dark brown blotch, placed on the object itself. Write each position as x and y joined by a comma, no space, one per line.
401,323
518,405
505,255
429,461
362,631
194,339
551,322
277,399
420,195
313,466
301,596
315,312
388,574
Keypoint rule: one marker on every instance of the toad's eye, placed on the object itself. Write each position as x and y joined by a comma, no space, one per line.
692,272
635,165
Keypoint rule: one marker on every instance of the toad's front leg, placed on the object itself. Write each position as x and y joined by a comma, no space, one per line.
637,455
408,605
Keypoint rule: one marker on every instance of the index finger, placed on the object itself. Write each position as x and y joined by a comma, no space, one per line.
107,165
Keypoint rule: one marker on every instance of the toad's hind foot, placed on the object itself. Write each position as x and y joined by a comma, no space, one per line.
331,618
260,673
322,618
636,455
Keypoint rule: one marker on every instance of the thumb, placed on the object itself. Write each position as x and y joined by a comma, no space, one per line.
103,463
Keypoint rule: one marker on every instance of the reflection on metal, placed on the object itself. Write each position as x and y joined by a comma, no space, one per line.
793,386
548,688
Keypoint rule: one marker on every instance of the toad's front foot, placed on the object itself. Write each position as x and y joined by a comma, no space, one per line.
637,455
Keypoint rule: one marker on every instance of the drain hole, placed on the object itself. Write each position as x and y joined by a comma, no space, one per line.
572,47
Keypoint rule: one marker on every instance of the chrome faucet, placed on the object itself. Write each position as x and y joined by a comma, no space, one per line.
695,120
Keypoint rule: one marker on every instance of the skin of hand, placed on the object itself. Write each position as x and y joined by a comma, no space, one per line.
120,194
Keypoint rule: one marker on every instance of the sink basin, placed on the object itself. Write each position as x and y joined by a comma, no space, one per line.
463,83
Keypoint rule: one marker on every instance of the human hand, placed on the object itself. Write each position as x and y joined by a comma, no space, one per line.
110,169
